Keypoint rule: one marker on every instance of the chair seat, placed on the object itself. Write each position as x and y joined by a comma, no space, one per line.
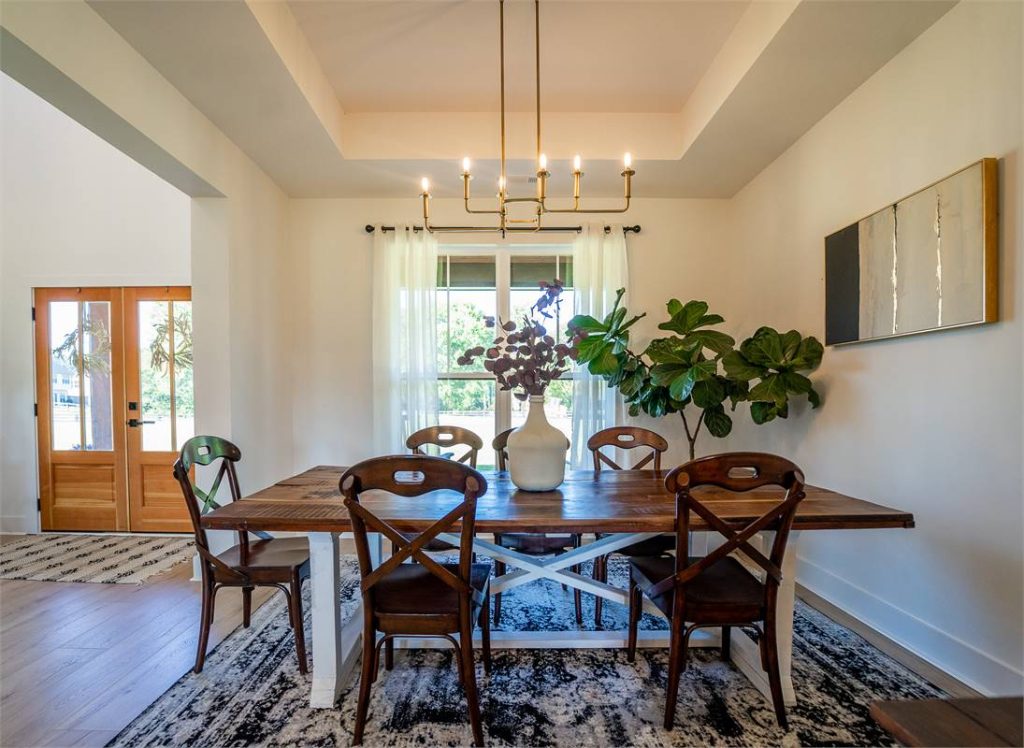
410,595
535,543
285,553
658,546
724,592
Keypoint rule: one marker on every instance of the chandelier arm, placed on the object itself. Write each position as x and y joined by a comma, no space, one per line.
589,210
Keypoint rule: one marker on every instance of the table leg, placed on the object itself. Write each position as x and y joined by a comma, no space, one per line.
335,644
745,654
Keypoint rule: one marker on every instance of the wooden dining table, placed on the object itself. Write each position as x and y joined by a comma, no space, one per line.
624,506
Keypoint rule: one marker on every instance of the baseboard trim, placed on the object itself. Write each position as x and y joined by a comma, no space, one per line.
902,655
929,651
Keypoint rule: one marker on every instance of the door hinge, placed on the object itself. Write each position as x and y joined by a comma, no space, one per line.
39,505
35,409
33,314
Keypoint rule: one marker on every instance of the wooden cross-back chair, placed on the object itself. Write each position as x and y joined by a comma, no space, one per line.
629,438
717,590
447,437
266,562
427,598
531,543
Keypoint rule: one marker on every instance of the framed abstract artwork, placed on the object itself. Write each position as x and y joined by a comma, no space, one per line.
926,262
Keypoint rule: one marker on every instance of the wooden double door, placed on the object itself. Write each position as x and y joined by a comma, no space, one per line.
114,402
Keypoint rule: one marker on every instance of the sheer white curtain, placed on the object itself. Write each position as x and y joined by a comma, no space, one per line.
404,336
599,269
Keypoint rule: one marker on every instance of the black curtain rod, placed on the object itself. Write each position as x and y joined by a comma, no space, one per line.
370,228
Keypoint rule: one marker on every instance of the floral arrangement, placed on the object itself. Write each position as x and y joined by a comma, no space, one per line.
524,357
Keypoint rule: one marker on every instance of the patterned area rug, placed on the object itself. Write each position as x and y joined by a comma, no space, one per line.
251,692
108,559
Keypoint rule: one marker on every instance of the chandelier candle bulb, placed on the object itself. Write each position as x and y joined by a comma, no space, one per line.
627,160
465,166
577,163
543,162
425,184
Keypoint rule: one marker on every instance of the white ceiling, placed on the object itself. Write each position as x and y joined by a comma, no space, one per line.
442,56
360,98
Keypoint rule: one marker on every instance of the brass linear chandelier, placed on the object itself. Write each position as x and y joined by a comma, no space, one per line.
540,208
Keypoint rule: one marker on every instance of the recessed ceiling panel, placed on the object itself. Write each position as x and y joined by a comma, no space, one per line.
440,56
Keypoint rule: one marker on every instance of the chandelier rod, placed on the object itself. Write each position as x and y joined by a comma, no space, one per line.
503,185
536,31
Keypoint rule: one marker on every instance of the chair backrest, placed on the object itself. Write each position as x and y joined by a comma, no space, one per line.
412,475
447,436
500,444
627,437
736,472
205,450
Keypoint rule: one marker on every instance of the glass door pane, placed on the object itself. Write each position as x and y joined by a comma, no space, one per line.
80,376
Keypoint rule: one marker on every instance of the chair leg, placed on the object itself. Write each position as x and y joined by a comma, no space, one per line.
205,621
485,633
499,570
726,641
635,603
295,606
600,575
676,657
577,597
772,667
469,681
365,681
389,654
246,606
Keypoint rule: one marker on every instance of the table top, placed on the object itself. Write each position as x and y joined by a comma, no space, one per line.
609,501
953,722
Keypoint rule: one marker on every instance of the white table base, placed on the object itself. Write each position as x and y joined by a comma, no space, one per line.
336,643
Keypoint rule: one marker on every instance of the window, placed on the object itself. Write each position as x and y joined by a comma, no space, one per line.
478,282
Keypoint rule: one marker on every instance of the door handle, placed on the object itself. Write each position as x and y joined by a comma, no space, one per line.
135,422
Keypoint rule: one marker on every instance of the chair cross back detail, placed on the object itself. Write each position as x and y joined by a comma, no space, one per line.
737,472
627,437
205,450
409,476
447,436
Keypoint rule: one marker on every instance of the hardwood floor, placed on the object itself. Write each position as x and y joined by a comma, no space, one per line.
78,662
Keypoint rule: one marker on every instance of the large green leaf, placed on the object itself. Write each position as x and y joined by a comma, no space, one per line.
708,393
591,347
717,421
762,412
739,368
713,340
670,351
770,389
605,364
808,355
664,374
796,384
763,348
587,324
682,386
686,318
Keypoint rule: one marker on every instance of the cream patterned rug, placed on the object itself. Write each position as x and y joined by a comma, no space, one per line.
251,692
107,559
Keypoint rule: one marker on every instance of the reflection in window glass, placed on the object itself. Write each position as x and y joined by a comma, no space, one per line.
184,394
469,403
66,413
154,376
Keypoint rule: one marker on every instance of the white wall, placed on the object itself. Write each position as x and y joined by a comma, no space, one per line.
678,253
73,211
931,423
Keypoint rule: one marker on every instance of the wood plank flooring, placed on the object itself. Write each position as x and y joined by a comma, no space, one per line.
78,662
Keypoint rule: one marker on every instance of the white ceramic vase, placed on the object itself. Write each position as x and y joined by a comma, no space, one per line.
536,451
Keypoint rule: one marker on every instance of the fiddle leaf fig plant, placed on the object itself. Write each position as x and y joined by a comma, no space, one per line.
771,364
676,374
697,370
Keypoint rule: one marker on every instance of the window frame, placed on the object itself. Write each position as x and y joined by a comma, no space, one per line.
502,254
